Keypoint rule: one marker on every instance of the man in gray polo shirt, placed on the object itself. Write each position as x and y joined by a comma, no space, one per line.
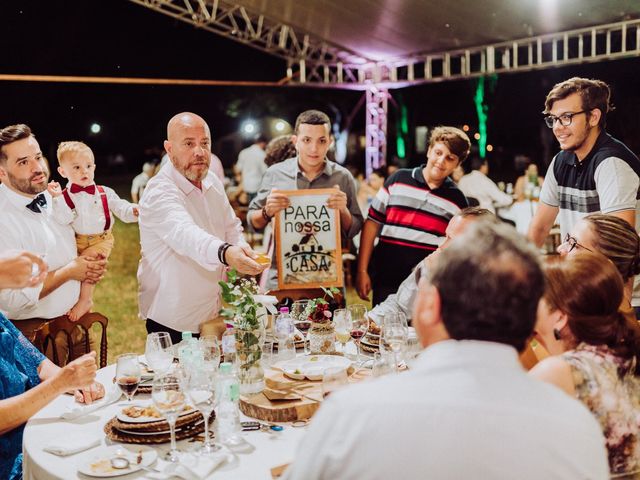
309,170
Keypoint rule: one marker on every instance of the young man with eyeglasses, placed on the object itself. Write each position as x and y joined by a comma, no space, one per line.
594,172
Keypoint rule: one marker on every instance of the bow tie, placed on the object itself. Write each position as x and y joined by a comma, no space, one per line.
91,189
38,202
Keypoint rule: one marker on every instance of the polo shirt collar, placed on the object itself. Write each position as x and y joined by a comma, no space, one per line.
327,171
418,175
602,138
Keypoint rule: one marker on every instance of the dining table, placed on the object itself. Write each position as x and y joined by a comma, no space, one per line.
262,450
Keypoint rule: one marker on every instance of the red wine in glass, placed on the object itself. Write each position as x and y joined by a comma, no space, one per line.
303,325
357,334
128,385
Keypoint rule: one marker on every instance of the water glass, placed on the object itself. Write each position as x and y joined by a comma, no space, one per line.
210,348
267,355
169,398
301,320
394,334
333,379
158,352
200,387
128,374
342,325
382,364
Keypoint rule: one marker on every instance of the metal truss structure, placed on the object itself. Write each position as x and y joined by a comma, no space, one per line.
593,44
235,22
376,128
312,61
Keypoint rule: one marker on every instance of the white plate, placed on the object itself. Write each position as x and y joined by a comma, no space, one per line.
99,465
312,367
123,417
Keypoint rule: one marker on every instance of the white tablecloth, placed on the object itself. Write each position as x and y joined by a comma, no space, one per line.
271,449
521,213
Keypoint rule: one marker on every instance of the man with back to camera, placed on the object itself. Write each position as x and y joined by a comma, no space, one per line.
189,233
251,166
311,169
593,172
27,223
466,408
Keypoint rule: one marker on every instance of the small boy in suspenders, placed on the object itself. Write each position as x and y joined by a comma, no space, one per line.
88,208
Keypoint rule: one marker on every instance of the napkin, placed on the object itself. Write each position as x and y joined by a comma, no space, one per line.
80,409
72,444
190,467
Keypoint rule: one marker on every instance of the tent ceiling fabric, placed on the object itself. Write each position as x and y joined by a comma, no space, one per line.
392,29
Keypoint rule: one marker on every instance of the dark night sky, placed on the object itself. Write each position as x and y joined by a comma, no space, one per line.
119,38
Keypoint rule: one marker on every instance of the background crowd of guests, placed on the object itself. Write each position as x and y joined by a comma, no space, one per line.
477,292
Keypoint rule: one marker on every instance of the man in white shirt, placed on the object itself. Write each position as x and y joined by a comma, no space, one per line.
478,185
27,223
466,408
189,234
252,167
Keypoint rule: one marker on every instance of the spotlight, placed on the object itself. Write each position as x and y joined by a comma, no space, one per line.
95,128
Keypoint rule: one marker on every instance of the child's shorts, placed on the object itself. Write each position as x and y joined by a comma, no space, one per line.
101,242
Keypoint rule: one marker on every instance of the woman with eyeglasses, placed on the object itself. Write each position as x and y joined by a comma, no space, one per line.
596,349
615,239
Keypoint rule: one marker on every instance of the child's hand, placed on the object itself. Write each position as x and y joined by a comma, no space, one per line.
136,212
54,189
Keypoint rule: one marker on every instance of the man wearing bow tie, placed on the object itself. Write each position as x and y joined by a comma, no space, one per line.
26,223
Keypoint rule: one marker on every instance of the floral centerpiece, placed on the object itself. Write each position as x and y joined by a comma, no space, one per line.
322,335
246,314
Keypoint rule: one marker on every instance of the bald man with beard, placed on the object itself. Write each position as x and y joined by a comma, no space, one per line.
189,234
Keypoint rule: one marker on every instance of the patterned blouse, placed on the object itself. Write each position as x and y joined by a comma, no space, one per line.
608,386
19,361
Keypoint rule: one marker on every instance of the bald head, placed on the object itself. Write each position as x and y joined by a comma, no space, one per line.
189,146
184,120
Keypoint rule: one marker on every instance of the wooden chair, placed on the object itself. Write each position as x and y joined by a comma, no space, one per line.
47,334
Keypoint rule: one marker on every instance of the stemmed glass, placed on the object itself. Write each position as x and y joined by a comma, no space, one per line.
128,374
169,399
359,325
301,320
394,334
342,325
201,391
210,348
158,352
333,378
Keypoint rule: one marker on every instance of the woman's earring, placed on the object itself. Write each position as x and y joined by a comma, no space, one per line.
556,334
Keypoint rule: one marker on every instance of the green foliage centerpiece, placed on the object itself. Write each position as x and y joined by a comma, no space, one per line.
247,316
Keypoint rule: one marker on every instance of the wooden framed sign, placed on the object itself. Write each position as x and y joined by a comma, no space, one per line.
308,248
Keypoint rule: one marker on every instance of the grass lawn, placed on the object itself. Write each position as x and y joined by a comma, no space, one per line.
116,296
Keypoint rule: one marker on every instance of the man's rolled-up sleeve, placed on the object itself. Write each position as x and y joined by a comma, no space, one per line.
617,185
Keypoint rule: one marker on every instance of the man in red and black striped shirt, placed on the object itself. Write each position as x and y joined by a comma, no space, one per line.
411,213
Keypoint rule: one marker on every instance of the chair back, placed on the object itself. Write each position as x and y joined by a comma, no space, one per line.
47,334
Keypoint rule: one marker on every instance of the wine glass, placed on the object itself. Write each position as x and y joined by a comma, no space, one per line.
200,387
210,348
381,364
333,378
169,399
128,374
158,352
359,325
301,320
393,334
342,325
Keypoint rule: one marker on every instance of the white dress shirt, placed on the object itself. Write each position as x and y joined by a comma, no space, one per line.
466,410
39,233
477,185
181,229
251,164
139,183
88,216
402,300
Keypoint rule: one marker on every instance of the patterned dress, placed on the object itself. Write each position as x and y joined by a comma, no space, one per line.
609,387
19,361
